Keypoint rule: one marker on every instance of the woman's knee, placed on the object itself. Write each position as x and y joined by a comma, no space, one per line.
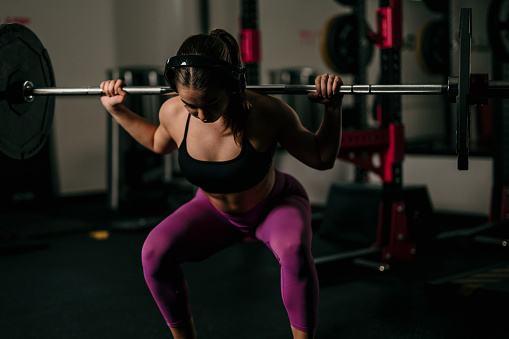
156,253
149,251
293,254
150,258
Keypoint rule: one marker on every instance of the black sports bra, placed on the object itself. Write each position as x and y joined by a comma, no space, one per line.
236,175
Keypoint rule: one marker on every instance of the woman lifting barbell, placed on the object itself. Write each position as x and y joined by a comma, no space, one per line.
227,151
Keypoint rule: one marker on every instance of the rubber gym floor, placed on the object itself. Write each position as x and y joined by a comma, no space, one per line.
58,280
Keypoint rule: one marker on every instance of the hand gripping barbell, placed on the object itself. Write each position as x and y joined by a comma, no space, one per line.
25,123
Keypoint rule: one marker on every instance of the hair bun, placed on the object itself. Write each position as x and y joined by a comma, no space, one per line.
231,44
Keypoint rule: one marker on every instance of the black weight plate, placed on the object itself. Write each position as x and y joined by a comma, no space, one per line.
24,127
343,44
432,47
498,28
463,104
324,42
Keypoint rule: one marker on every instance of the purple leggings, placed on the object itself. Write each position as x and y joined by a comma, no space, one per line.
197,230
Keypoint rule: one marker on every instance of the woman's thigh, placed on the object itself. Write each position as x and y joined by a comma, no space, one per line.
287,226
193,232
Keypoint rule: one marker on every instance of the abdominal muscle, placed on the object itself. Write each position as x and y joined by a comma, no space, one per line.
241,202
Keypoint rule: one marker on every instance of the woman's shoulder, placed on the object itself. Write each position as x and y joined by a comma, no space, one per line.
261,99
172,108
173,104
266,105
268,114
173,115
272,110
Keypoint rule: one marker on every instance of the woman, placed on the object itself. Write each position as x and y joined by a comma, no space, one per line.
227,137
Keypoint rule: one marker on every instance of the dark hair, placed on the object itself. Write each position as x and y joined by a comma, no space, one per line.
222,45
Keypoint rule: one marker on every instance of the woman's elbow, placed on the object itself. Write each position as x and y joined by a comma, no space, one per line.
162,150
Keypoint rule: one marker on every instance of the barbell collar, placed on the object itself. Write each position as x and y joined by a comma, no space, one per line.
452,89
495,90
498,89
26,91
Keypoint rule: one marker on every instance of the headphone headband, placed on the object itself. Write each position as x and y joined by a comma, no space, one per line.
203,61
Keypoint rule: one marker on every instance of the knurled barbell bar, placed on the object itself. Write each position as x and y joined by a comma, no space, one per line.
29,91
496,89
25,123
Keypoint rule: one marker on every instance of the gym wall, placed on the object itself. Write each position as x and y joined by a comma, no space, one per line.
85,39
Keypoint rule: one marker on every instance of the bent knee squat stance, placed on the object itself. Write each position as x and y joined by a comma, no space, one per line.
226,138
198,229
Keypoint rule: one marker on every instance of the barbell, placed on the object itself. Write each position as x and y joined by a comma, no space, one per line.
25,123
28,91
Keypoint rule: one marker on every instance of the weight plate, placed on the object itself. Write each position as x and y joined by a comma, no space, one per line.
432,47
498,28
463,104
24,127
324,51
340,44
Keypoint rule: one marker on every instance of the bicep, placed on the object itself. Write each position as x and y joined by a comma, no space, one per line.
164,142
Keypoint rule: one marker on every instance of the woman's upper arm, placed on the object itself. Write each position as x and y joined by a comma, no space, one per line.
295,138
164,141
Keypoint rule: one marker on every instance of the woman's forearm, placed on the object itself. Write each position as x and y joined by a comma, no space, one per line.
328,135
139,128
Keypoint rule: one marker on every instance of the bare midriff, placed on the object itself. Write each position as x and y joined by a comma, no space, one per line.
241,202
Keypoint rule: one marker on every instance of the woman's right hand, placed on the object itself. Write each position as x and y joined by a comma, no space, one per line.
327,90
114,95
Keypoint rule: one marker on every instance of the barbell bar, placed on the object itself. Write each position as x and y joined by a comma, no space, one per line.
29,91
25,123
495,89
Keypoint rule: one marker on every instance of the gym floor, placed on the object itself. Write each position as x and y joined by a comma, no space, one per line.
58,281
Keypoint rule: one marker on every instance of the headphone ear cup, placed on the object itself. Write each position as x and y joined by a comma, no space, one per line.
169,75
243,82
241,76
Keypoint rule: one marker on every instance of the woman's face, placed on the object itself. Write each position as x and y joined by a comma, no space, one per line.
208,105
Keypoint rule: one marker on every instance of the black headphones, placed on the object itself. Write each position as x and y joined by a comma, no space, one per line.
204,61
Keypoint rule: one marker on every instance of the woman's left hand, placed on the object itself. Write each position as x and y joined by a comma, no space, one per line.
327,90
